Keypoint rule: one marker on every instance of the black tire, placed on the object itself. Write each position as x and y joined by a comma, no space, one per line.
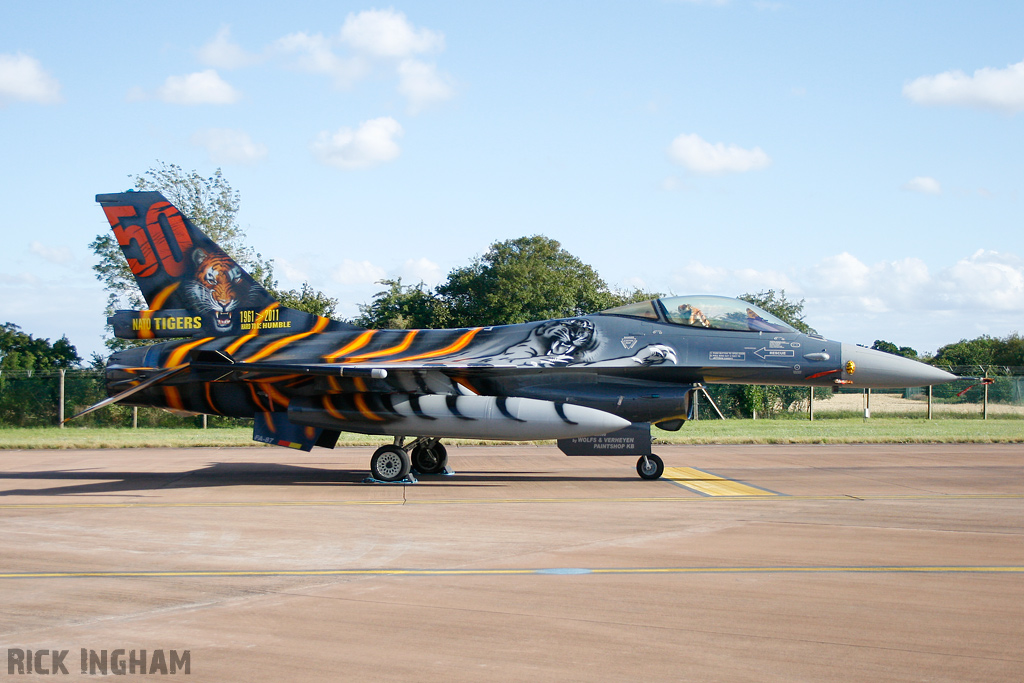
654,469
429,459
390,463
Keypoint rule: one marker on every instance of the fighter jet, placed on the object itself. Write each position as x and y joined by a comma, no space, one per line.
594,382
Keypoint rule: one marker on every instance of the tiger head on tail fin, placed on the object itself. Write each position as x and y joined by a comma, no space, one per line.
218,287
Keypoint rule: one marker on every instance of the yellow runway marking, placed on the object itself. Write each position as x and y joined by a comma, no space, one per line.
761,496
563,571
709,484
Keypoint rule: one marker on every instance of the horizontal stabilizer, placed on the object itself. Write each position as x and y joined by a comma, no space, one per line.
152,381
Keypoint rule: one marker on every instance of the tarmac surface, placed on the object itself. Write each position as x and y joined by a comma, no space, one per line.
746,563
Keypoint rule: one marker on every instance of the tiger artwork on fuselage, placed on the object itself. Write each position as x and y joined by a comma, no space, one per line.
553,343
218,287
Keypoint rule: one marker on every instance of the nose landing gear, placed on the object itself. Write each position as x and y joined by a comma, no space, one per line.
650,466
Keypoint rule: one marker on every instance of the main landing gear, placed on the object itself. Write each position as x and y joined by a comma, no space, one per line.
650,466
395,461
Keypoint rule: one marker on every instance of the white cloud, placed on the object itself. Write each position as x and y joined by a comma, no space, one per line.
58,255
387,33
375,39
697,277
701,156
985,280
900,300
923,184
223,53
228,146
202,87
358,273
421,270
988,88
291,271
422,85
315,54
373,142
23,79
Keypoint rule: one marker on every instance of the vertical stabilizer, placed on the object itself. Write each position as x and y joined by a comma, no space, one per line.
191,285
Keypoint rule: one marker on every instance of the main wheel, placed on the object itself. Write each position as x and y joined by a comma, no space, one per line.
390,463
429,459
650,468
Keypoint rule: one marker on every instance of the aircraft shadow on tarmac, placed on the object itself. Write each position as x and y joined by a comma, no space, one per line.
249,474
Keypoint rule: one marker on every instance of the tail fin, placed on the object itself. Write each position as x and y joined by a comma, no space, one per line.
186,278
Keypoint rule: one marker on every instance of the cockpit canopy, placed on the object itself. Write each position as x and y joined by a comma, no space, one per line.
710,312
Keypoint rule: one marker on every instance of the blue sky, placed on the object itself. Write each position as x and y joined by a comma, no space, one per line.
864,156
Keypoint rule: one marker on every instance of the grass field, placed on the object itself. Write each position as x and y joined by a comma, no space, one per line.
733,431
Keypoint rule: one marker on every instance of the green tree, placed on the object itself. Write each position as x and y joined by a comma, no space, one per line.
520,280
306,299
1010,351
889,347
980,351
27,394
23,352
401,307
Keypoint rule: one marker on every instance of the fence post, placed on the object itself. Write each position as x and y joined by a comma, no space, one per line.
60,399
135,417
929,401
984,405
811,404
867,403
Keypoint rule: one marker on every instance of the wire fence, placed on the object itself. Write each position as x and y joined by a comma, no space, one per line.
33,399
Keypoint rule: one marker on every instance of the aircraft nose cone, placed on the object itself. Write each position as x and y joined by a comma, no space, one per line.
879,370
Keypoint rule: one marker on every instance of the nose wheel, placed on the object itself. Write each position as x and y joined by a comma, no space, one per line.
650,466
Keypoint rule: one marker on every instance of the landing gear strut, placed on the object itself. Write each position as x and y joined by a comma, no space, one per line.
429,457
650,466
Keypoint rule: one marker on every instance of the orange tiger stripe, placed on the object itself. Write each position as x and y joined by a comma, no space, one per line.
174,360
237,344
173,397
360,401
269,349
259,404
160,299
329,407
158,302
354,345
459,344
398,348
274,394
209,398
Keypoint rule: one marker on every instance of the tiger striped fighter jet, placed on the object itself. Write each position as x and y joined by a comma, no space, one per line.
594,382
